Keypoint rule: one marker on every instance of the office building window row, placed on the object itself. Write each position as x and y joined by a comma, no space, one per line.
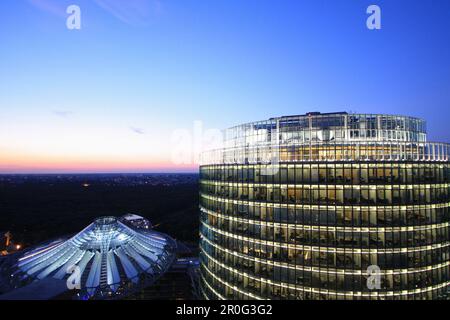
331,194
355,173
306,235
365,216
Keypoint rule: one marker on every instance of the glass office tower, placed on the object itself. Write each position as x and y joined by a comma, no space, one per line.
326,206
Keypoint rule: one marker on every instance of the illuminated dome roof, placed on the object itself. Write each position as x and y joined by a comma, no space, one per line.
112,259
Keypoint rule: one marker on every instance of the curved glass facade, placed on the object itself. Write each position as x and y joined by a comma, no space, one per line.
304,207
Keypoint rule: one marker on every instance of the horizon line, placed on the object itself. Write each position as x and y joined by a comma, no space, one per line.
92,173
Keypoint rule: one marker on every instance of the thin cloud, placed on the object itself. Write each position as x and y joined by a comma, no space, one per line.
132,12
137,130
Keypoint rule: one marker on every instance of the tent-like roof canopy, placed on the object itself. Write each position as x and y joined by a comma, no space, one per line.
110,259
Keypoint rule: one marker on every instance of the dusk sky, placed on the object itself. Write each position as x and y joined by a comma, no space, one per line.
109,97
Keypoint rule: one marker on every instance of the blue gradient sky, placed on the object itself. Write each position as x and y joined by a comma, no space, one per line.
107,98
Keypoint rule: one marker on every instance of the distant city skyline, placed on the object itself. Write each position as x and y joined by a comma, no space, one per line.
108,98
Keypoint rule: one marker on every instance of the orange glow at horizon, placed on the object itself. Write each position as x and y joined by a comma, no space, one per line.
29,163
73,146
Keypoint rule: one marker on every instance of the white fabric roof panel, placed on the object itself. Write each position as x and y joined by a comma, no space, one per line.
121,255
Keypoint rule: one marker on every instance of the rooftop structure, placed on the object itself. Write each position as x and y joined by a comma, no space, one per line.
135,221
109,258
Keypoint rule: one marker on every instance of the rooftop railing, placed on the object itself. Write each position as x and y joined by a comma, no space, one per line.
269,153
